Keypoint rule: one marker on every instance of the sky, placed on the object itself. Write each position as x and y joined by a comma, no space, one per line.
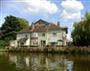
64,11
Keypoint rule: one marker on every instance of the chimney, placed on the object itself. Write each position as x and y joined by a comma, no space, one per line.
32,25
58,23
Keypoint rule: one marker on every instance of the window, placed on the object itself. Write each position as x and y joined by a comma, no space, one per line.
53,43
43,34
26,36
60,40
34,35
54,34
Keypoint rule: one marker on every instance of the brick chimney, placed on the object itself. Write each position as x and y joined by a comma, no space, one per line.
33,25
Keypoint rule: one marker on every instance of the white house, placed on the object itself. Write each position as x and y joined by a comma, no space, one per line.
42,33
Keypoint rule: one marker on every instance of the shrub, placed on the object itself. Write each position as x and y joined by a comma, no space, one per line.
3,44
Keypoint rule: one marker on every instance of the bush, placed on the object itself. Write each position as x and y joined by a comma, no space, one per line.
3,44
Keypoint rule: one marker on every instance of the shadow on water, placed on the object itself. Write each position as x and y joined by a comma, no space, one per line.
43,62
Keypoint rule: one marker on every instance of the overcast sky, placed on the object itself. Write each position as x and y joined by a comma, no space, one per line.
64,11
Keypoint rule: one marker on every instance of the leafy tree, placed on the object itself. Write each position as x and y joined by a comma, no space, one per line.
11,26
23,23
81,32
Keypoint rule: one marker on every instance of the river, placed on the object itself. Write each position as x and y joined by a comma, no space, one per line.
43,62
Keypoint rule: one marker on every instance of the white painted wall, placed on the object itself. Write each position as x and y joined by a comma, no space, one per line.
34,34
13,43
54,38
49,37
41,37
22,35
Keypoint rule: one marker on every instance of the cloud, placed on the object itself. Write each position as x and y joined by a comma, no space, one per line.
72,9
38,6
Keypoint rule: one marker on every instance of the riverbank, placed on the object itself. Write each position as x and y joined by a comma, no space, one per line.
63,50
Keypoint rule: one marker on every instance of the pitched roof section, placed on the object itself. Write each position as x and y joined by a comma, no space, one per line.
43,26
53,27
39,28
41,22
25,31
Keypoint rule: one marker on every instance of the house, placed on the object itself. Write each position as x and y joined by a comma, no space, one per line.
42,34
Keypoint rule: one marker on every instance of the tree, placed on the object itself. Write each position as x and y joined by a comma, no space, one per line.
11,26
23,23
81,32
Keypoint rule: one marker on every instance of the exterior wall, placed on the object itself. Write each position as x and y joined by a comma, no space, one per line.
54,38
36,38
64,38
49,37
42,38
23,35
34,34
13,43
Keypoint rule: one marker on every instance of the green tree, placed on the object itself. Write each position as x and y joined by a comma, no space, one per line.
81,32
23,23
11,26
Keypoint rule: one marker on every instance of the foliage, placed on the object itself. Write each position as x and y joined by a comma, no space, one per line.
23,23
81,32
11,26
3,44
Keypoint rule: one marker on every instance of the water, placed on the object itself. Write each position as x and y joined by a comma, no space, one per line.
43,62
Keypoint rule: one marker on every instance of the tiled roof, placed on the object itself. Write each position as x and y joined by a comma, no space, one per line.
41,21
25,31
39,29
43,27
53,27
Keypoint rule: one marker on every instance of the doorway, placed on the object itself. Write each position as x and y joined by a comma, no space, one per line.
43,43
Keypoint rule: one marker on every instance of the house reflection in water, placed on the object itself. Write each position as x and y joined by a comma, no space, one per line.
41,62
27,61
69,65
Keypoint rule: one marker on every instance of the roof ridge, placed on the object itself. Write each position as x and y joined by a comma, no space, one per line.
42,21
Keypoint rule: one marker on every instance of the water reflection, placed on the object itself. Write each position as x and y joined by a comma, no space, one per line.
40,62
46,62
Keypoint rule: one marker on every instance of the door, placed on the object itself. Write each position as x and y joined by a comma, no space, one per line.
43,43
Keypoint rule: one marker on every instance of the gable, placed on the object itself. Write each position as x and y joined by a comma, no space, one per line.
41,22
